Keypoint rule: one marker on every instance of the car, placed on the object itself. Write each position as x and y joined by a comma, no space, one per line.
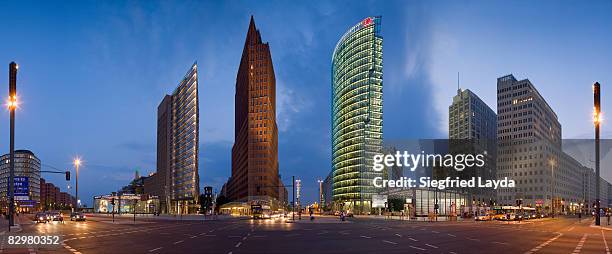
41,217
77,216
484,217
56,216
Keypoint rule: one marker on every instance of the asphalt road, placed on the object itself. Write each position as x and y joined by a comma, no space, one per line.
235,236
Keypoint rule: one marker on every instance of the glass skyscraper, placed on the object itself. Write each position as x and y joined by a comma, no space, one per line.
357,118
177,179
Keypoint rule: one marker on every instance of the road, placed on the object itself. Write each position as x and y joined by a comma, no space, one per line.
325,235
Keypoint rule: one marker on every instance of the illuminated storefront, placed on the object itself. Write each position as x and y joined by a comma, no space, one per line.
356,114
126,203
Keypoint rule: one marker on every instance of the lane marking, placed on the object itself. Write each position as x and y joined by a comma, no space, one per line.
580,244
542,245
451,235
417,248
500,243
178,242
390,242
433,246
398,235
238,244
605,242
366,237
156,249
414,240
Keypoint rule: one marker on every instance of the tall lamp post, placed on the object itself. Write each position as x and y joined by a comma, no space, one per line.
597,120
77,162
320,195
12,104
552,186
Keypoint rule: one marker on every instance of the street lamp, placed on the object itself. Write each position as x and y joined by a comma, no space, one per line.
12,105
552,185
320,195
597,121
77,163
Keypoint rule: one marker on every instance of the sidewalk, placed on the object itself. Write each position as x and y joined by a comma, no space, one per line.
417,219
4,225
318,220
189,217
603,222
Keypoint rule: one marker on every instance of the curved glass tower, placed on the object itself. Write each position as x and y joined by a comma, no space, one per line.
357,118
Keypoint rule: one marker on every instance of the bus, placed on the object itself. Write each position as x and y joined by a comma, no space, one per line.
260,212
514,213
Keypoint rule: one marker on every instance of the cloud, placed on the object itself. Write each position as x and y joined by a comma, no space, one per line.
289,103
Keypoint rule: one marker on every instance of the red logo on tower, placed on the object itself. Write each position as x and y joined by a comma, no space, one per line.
367,21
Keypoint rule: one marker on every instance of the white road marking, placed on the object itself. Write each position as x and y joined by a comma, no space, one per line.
451,235
414,247
156,249
435,232
500,243
367,237
580,244
178,242
433,246
542,245
398,235
238,244
605,242
414,240
390,242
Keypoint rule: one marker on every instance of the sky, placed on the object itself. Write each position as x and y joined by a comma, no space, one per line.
93,72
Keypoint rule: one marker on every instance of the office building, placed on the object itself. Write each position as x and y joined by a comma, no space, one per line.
178,182
255,177
473,130
357,114
529,148
27,181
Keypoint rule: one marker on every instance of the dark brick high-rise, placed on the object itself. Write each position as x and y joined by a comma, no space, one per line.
255,151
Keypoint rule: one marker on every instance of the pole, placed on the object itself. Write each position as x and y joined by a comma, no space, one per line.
77,186
597,101
293,197
552,189
12,100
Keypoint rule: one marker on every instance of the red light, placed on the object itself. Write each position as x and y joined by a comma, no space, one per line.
367,21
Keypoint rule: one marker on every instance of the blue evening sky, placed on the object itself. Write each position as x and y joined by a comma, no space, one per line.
92,73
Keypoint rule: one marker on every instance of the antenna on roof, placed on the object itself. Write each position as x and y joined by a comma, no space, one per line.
458,88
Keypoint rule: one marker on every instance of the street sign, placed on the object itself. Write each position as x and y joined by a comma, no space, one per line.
22,186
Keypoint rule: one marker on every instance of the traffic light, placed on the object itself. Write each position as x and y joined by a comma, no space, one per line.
67,175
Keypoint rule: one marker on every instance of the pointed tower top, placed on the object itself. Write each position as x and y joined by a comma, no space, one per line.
253,36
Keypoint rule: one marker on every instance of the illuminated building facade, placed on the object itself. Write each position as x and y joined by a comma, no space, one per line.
472,129
178,182
357,114
27,180
254,177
